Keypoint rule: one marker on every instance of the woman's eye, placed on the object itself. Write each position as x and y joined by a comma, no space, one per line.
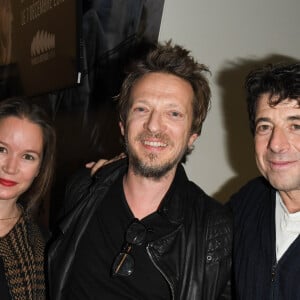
2,149
29,157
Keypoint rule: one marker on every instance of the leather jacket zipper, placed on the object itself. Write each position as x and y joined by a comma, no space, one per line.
163,274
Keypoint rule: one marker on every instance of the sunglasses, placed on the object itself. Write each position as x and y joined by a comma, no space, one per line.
123,264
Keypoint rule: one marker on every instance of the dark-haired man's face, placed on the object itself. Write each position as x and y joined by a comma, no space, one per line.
277,143
158,128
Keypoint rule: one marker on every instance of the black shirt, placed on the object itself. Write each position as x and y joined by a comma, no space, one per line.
4,291
103,239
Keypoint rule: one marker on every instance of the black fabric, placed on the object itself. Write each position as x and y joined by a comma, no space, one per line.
4,291
257,273
194,258
103,239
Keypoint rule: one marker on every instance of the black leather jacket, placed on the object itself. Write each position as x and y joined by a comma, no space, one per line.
195,259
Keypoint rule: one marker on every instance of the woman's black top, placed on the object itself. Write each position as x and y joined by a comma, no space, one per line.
4,292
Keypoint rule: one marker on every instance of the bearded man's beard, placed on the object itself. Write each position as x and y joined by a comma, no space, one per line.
148,168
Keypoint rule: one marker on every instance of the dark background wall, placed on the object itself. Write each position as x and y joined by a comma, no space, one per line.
110,34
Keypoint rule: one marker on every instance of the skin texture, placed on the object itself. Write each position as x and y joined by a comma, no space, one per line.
158,128
277,147
21,145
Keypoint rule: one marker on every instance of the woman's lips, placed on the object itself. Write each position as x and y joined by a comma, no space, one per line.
7,182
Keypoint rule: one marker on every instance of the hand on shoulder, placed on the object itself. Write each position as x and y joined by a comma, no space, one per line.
95,166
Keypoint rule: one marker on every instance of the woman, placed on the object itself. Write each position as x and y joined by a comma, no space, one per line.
27,147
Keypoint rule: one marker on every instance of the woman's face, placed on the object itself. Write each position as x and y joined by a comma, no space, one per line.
21,148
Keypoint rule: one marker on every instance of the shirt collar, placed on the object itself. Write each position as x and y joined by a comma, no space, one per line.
290,222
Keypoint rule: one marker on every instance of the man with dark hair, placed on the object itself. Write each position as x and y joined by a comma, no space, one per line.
267,209
139,229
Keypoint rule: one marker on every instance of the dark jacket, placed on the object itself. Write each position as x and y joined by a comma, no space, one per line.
258,275
195,258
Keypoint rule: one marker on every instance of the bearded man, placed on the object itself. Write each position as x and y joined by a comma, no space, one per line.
139,229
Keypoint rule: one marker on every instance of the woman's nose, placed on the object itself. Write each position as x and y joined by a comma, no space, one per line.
10,165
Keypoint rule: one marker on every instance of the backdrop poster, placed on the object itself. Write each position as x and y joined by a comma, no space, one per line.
44,45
